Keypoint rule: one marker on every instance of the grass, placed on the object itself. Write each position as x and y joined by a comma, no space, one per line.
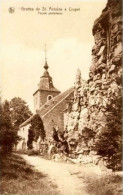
100,182
19,178
104,185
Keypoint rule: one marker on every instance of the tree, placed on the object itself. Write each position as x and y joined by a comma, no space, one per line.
8,137
37,125
55,135
36,130
31,137
109,140
19,111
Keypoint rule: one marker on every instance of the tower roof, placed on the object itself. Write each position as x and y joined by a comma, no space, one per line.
46,74
46,65
46,82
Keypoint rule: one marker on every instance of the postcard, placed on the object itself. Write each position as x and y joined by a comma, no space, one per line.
61,103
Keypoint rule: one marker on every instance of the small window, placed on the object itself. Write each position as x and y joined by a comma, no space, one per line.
49,97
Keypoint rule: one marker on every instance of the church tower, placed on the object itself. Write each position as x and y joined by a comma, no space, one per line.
46,89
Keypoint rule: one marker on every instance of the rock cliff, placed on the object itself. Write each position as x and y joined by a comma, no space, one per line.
88,111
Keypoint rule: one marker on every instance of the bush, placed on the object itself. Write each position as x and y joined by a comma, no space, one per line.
109,140
105,185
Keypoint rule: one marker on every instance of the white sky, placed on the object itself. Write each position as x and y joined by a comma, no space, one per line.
23,34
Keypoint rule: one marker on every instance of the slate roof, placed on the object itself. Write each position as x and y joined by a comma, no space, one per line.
50,105
44,89
46,82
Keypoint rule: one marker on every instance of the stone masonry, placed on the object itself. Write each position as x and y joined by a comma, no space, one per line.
88,110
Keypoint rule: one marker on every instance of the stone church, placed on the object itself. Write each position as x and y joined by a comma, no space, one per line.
50,104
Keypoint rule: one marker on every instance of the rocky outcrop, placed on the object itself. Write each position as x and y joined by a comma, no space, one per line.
91,98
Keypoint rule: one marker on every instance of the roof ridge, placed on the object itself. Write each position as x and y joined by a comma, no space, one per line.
58,101
26,120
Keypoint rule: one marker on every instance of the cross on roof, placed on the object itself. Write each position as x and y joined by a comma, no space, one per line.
46,65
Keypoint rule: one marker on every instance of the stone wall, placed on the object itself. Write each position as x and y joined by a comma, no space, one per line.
22,144
41,97
54,118
91,98
23,133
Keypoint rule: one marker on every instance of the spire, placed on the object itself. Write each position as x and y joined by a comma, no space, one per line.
78,79
46,65
46,80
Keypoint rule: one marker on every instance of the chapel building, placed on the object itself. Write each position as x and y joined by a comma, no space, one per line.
50,104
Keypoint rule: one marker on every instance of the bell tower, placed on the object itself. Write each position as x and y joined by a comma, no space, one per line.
46,89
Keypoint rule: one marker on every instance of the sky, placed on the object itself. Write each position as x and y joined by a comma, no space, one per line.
24,33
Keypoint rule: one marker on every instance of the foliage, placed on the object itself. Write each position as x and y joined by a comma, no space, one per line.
31,136
36,129
12,114
8,136
37,125
109,184
19,111
109,140
55,135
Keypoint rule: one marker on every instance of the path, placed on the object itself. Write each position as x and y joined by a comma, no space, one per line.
66,176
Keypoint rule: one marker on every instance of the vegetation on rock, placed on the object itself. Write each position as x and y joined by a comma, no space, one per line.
109,140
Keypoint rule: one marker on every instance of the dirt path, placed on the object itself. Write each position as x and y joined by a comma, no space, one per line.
66,176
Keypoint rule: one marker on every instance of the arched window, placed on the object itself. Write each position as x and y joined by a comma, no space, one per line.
49,97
